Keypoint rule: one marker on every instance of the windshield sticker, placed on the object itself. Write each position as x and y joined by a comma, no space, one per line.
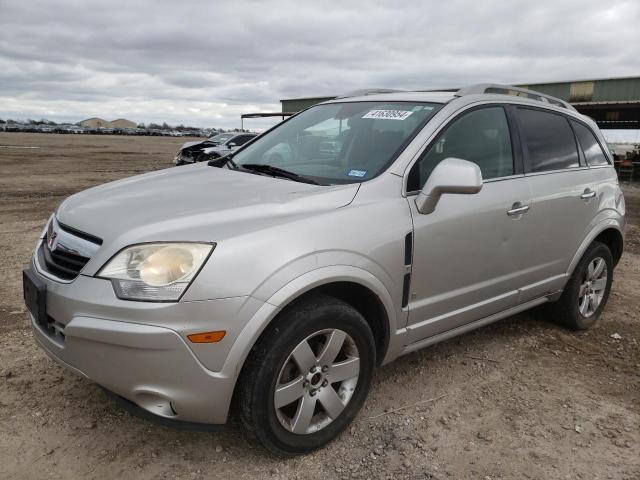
357,173
418,108
388,114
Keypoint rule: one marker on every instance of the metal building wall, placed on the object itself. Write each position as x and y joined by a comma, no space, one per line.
612,102
607,90
297,104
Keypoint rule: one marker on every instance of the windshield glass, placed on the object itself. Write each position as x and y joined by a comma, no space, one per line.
220,138
340,142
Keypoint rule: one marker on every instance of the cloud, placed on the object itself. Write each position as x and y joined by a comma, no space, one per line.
204,63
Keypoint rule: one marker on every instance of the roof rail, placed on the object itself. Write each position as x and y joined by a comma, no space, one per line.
510,90
367,91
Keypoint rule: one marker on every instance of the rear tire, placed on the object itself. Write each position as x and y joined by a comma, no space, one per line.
587,291
331,381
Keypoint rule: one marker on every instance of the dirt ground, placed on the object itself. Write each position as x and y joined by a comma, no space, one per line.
521,399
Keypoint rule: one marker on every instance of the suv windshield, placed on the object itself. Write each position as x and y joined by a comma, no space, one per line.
221,138
339,142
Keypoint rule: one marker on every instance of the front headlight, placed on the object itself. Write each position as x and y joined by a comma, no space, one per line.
155,271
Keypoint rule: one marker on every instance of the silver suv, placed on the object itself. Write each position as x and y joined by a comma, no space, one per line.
357,231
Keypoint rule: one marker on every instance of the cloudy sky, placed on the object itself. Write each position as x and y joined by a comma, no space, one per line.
204,63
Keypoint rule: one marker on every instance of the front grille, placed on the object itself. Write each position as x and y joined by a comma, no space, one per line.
63,265
65,251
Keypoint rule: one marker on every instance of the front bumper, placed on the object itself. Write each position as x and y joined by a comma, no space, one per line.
151,366
139,350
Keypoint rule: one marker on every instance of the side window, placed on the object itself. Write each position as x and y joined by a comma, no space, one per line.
549,140
241,139
592,150
480,136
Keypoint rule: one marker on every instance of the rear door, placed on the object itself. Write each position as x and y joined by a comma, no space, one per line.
564,198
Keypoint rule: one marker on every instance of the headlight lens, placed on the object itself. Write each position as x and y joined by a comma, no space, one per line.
155,271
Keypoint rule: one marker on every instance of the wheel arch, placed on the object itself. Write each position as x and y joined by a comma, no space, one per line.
353,285
613,239
365,301
343,282
608,232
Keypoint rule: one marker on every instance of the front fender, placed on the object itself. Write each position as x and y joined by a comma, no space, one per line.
335,273
298,286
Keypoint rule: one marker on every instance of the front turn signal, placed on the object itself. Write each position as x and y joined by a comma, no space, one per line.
207,337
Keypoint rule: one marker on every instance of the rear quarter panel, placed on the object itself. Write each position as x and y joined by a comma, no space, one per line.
610,212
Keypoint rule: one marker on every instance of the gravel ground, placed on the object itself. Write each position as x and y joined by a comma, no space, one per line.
521,399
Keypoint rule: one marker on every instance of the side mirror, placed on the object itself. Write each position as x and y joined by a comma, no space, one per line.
231,145
451,175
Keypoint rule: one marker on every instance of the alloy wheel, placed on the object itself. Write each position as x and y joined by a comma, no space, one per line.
317,381
593,287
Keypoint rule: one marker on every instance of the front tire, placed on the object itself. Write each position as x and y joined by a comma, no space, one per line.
587,291
307,376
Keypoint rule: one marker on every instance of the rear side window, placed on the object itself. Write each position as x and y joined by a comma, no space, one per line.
548,139
592,150
480,136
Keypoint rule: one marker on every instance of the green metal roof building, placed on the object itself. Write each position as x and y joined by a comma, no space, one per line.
611,102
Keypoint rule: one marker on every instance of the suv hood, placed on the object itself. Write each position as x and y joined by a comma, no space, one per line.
191,144
194,203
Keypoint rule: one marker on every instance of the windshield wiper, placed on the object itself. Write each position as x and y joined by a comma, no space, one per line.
277,172
259,168
222,161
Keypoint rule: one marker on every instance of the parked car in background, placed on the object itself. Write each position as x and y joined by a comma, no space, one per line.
68,129
191,133
211,148
15,127
390,222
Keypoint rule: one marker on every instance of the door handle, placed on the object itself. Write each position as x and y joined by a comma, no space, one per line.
588,193
517,209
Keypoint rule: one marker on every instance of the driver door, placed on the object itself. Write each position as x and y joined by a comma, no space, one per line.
466,260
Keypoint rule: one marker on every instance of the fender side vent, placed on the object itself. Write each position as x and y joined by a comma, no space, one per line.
408,248
405,289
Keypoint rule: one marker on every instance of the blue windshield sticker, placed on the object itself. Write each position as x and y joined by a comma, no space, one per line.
357,173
